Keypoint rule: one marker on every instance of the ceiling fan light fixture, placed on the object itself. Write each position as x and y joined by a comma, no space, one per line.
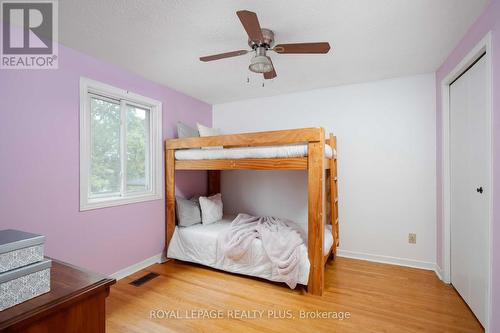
260,64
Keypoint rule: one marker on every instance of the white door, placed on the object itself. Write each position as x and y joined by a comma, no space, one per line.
470,149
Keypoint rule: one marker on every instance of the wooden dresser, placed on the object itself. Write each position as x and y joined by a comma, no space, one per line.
75,304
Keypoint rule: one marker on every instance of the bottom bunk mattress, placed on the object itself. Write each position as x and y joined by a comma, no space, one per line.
202,244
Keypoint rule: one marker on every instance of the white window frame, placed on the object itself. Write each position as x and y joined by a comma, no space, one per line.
155,169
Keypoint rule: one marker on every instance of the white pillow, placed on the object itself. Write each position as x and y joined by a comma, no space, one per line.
208,131
211,208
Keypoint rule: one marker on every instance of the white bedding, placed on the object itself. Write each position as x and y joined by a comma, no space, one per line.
202,244
247,152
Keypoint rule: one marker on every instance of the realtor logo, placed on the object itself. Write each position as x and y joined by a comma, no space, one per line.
29,34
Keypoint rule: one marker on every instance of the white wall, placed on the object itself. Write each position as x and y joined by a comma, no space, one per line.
386,163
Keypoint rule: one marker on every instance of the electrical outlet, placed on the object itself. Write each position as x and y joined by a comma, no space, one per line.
412,238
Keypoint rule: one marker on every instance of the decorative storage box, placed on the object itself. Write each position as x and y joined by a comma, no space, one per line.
24,283
19,248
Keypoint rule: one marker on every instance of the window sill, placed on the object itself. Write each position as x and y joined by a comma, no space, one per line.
91,204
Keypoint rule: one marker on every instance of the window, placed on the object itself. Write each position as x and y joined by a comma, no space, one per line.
120,147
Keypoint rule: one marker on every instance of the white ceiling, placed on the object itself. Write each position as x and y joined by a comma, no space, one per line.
162,40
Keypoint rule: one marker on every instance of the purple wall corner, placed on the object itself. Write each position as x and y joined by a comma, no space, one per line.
39,182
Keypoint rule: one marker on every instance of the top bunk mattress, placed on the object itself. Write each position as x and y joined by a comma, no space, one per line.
248,152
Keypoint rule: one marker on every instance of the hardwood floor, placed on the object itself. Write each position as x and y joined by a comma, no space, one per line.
379,298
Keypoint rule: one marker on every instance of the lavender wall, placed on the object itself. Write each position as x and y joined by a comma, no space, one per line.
39,169
488,21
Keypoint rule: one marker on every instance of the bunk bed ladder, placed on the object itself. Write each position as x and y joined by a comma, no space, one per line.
332,209
334,197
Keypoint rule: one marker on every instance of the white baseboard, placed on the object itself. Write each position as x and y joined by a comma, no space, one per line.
158,258
137,267
439,272
441,275
387,260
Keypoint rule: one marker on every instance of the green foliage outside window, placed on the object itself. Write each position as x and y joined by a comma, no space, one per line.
105,169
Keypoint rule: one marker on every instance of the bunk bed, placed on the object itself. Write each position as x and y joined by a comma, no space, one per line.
296,149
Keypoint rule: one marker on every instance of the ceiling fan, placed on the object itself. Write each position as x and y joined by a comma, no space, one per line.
262,40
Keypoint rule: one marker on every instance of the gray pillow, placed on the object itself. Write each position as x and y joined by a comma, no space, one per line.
184,131
188,212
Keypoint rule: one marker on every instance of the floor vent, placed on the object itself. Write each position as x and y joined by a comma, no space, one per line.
140,281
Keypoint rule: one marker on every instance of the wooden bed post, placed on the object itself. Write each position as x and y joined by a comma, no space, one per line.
316,214
213,182
170,196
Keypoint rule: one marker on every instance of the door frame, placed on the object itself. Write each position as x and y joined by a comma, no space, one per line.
483,46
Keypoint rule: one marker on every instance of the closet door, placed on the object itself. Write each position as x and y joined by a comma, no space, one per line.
470,150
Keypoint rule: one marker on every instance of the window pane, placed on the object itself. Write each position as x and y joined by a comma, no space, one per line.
105,147
137,149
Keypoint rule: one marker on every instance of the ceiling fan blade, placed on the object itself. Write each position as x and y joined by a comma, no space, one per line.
272,74
322,47
224,55
251,24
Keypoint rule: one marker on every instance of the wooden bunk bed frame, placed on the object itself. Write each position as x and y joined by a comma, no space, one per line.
321,180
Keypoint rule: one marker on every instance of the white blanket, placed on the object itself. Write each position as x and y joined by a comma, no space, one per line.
281,240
